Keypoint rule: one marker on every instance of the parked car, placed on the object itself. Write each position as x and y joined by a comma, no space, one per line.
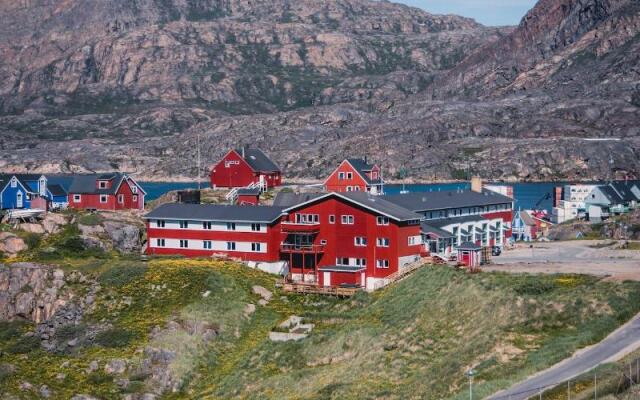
496,251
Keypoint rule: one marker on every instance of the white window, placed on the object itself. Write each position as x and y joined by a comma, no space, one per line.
382,263
347,219
160,223
135,197
134,189
14,183
231,226
184,224
207,244
361,262
104,198
360,241
323,242
206,225
412,241
332,219
231,246
342,261
121,198
102,184
341,176
349,188
383,242
256,227
184,244
381,220
160,243
77,198
356,188
349,175
255,247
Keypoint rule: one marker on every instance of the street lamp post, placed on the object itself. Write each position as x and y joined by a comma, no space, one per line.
470,374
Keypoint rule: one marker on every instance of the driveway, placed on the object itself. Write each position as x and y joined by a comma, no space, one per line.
577,256
619,343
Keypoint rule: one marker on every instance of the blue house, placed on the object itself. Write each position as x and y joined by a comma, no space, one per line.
26,191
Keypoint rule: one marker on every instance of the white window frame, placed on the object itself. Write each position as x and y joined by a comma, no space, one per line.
120,199
347,219
184,243
340,261
14,183
231,246
383,242
256,227
361,262
77,198
206,225
184,224
104,199
207,244
360,241
349,175
256,247
349,188
102,184
341,176
231,226
382,264
332,219
134,189
160,223
381,220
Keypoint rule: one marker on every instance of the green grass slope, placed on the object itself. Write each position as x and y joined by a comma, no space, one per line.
412,340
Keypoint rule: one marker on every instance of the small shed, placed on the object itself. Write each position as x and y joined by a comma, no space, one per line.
248,196
470,255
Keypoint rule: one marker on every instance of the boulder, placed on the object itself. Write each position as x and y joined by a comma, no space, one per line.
11,245
125,237
262,292
115,366
52,222
32,228
24,305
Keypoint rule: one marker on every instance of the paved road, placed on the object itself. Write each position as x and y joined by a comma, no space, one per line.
623,340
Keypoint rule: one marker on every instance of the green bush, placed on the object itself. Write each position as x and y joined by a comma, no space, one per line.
11,329
25,344
6,370
69,332
115,338
32,240
99,378
90,219
534,287
120,275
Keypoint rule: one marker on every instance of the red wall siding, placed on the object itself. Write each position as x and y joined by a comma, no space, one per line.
92,201
225,174
333,184
506,216
338,278
248,199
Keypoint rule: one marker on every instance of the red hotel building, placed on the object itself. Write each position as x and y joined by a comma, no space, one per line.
331,239
112,191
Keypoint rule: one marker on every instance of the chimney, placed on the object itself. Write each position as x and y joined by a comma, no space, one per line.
476,184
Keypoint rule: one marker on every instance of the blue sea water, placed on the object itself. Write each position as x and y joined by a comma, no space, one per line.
157,189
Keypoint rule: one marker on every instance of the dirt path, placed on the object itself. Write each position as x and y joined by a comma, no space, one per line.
580,257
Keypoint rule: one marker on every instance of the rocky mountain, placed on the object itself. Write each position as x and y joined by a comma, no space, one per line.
130,85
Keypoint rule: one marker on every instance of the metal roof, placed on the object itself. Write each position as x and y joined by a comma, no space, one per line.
623,190
248,192
469,246
57,190
216,212
258,160
426,228
439,223
290,199
428,201
87,184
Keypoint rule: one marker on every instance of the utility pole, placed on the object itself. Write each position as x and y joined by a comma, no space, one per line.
569,389
470,373
595,386
198,145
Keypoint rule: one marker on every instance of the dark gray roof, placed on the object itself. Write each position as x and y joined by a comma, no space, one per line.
382,206
57,190
624,191
342,268
426,228
610,194
258,160
87,184
249,192
290,199
469,246
363,168
426,201
215,212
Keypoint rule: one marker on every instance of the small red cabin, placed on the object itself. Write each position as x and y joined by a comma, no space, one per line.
244,167
248,197
114,191
355,175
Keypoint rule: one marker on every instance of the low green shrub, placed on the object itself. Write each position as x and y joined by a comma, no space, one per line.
120,275
69,332
532,287
99,378
26,344
90,219
11,329
115,338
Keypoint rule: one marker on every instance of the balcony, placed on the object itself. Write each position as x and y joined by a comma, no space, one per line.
300,227
302,248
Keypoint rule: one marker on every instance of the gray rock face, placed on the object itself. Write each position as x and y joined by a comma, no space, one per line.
31,291
125,237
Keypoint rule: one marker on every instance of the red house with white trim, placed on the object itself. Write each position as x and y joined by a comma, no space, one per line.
355,175
244,167
114,191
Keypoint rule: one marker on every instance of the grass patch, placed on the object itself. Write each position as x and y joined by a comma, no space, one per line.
115,338
123,274
91,219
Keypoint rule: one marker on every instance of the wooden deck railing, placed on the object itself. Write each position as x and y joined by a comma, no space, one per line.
313,289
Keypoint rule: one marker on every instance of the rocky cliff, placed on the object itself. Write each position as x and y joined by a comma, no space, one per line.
129,86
